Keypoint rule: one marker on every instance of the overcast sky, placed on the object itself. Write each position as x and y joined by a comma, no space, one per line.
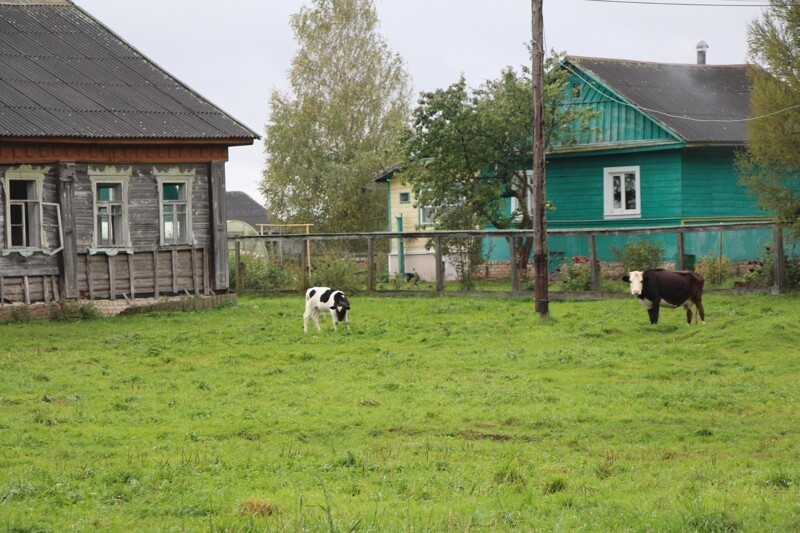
235,52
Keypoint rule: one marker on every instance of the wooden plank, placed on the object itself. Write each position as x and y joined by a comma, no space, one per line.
155,273
370,264
175,271
194,273
131,276
112,282
779,259
595,266
439,266
219,226
56,293
27,289
2,291
19,272
206,280
89,276
512,253
69,255
680,261
46,289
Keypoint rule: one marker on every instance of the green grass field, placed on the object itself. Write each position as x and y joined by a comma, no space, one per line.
429,414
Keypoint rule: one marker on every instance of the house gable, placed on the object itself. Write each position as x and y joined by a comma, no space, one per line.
620,125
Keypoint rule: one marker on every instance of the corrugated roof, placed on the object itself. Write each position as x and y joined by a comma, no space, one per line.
64,74
242,206
713,99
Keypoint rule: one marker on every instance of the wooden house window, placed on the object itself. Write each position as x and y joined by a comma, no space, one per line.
111,230
622,192
175,208
405,197
24,225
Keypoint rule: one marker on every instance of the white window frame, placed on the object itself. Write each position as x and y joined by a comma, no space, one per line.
186,181
123,182
41,238
616,213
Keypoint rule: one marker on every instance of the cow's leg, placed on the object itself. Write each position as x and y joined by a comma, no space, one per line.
335,320
346,321
306,316
315,318
700,311
653,312
688,307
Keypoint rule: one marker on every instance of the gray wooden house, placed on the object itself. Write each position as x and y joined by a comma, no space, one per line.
112,172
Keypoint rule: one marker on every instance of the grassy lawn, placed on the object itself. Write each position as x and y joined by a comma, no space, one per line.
429,414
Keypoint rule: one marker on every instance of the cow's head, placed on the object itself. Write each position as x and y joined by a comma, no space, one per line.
340,302
636,279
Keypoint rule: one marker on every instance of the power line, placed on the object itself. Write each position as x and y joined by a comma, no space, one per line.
672,4
682,117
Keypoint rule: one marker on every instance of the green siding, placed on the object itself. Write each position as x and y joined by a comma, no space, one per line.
575,187
617,121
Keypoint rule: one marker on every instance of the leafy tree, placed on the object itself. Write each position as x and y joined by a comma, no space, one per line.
470,149
771,165
339,124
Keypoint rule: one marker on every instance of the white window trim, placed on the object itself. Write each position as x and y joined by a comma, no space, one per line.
187,181
124,181
28,175
609,212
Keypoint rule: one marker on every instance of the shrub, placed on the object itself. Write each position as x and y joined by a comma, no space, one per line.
761,271
337,272
575,274
640,254
714,269
261,274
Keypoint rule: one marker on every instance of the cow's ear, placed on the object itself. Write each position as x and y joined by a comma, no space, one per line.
626,278
333,307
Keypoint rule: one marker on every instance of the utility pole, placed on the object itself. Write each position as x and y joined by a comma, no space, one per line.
540,253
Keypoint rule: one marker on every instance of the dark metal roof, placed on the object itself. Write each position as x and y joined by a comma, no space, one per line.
64,74
700,103
242,206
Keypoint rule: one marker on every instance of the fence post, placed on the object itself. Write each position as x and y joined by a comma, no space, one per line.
512,252
238,267
593,261
680,263
439,269
779,264
304,263
370,264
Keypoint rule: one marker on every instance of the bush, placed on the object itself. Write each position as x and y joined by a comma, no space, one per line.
761,271
575,274
339,273
639,254
260,274
714,269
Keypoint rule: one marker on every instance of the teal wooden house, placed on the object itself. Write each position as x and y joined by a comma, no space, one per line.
661,153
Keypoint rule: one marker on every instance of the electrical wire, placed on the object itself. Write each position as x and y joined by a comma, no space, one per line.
652,3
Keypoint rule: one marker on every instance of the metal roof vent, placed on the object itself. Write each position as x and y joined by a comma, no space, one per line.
702,46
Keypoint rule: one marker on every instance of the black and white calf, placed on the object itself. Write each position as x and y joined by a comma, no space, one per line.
321,299
672,287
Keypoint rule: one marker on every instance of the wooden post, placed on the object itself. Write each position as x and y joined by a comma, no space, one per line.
69,255
219,226
595,266
512,252
194,272
370,264
27,289
2,291
131,275
175,271
155,274
46,289
238,256
304,264
206,280
779,263
439,267
680,261
540,253
89,276
112,282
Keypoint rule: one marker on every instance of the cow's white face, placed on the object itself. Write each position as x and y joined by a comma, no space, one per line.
636,279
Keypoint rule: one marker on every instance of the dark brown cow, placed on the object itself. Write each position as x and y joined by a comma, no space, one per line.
675,287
